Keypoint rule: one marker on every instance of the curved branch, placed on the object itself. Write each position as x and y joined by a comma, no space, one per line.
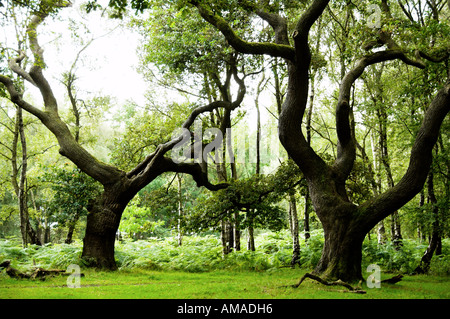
346,144
308,18
196,171
15,67
69,147
257,48
420,161
434,59
164,148
278,24
16,98
36,70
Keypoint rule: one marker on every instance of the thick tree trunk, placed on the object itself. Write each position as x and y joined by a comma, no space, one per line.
342,252
101,228
98,243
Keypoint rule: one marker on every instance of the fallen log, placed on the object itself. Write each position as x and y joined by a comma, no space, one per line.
35,273
12,272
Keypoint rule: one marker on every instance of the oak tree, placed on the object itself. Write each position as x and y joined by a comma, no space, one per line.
119,186
345,223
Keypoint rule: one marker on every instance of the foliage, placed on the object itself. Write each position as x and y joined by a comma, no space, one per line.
144,130
203,253
257,196
47,256
73,191
137,222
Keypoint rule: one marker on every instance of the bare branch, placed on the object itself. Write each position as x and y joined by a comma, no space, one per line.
16,97
15,67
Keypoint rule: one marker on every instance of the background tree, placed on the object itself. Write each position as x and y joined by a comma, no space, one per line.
73,191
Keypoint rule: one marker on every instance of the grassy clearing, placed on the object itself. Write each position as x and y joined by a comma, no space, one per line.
150,284
159,268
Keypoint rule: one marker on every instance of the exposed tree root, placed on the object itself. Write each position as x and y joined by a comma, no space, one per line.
35,273
338,282
392,280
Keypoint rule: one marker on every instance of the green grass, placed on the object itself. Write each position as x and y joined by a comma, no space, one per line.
150,284
159,268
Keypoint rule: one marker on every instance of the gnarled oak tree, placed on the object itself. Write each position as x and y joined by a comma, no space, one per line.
345,223
119,186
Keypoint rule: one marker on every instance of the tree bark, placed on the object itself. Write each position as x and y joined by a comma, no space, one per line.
342,252
293,221
306,220
180,212
102,224
71,228
29,235
251,236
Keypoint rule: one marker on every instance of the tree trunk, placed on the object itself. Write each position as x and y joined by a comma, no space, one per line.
251,236
227,237
71,226
28,233
307,208
293,220
180,212
237,232
102,224
381,233
396,234
342,252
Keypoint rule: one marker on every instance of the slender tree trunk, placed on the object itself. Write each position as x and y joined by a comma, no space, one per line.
251,236
308,140
71,228
381,233
293,220
29,235
396,235
306,220
237,232
180,212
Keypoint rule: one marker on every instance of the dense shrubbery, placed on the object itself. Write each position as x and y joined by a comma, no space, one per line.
48,256
203,253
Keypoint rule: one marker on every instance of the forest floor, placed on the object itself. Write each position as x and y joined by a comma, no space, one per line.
274,284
